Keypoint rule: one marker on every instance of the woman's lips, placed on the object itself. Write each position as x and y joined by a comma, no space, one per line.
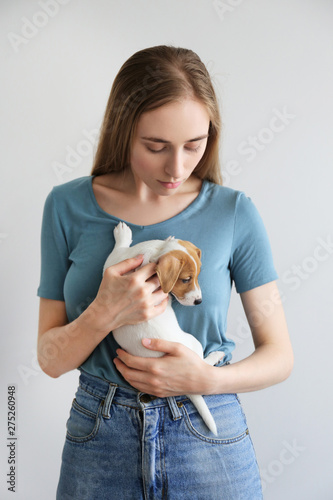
170,185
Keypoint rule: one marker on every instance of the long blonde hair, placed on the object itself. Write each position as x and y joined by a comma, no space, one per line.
149,79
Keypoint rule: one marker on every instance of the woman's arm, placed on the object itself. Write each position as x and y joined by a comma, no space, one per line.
272,361
183,372
121,299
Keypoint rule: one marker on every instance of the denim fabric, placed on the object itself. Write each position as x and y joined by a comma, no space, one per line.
122,444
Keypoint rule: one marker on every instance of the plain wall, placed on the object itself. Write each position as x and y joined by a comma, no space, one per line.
267,59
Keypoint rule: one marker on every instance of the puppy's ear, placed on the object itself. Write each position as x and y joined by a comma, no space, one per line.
168,269
198,251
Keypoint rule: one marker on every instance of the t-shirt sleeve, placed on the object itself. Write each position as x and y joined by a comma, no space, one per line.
251,262
54,253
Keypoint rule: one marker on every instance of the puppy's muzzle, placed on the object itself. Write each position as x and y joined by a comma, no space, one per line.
197,302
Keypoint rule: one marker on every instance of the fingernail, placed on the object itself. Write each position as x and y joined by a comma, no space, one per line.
146,342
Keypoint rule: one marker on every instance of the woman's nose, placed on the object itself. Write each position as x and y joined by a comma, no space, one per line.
175,165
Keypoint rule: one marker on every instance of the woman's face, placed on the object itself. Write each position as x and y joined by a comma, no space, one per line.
168,144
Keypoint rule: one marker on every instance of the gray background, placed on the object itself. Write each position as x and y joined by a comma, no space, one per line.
58,61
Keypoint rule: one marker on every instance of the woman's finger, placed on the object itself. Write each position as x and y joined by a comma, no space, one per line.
127,265
147,271
155,283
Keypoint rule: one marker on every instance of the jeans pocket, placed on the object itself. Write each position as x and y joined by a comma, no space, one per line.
228,415
84,418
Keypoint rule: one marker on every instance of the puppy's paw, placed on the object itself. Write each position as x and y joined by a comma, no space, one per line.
123,235
214,357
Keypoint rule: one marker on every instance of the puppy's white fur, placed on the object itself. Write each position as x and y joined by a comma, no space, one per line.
164,326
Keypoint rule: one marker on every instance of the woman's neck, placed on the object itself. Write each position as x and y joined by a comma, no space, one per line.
129,199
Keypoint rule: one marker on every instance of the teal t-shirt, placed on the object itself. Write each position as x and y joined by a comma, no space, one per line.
77,237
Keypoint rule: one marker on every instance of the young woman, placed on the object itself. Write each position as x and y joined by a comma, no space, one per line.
131,433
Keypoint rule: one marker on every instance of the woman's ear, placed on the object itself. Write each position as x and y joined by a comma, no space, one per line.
168,269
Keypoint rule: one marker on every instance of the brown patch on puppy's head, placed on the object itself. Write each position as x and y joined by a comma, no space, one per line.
194,251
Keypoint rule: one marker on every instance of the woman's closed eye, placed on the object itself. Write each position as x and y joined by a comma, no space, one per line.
187,148
193,150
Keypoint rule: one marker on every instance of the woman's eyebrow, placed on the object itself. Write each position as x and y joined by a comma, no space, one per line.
158,139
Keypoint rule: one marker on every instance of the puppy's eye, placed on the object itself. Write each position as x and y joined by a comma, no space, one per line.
186,280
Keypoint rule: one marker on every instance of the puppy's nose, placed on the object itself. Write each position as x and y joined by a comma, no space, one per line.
197,302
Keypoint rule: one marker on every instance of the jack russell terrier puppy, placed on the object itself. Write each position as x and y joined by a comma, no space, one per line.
178,267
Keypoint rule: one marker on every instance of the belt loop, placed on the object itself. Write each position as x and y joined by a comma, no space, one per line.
176,415
108,400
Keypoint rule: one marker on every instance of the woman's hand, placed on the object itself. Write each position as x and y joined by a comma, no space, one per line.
128,298
180,371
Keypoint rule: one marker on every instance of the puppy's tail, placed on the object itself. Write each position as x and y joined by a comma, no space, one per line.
203,410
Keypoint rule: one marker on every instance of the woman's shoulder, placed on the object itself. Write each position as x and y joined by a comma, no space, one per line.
69,194
72,190
223,194
233,203
73,186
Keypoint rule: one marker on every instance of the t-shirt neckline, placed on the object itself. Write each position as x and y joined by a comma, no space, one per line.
190,208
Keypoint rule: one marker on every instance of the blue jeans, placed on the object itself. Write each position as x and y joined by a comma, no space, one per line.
122,444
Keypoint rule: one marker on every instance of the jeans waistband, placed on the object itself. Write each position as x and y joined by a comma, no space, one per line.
112,393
